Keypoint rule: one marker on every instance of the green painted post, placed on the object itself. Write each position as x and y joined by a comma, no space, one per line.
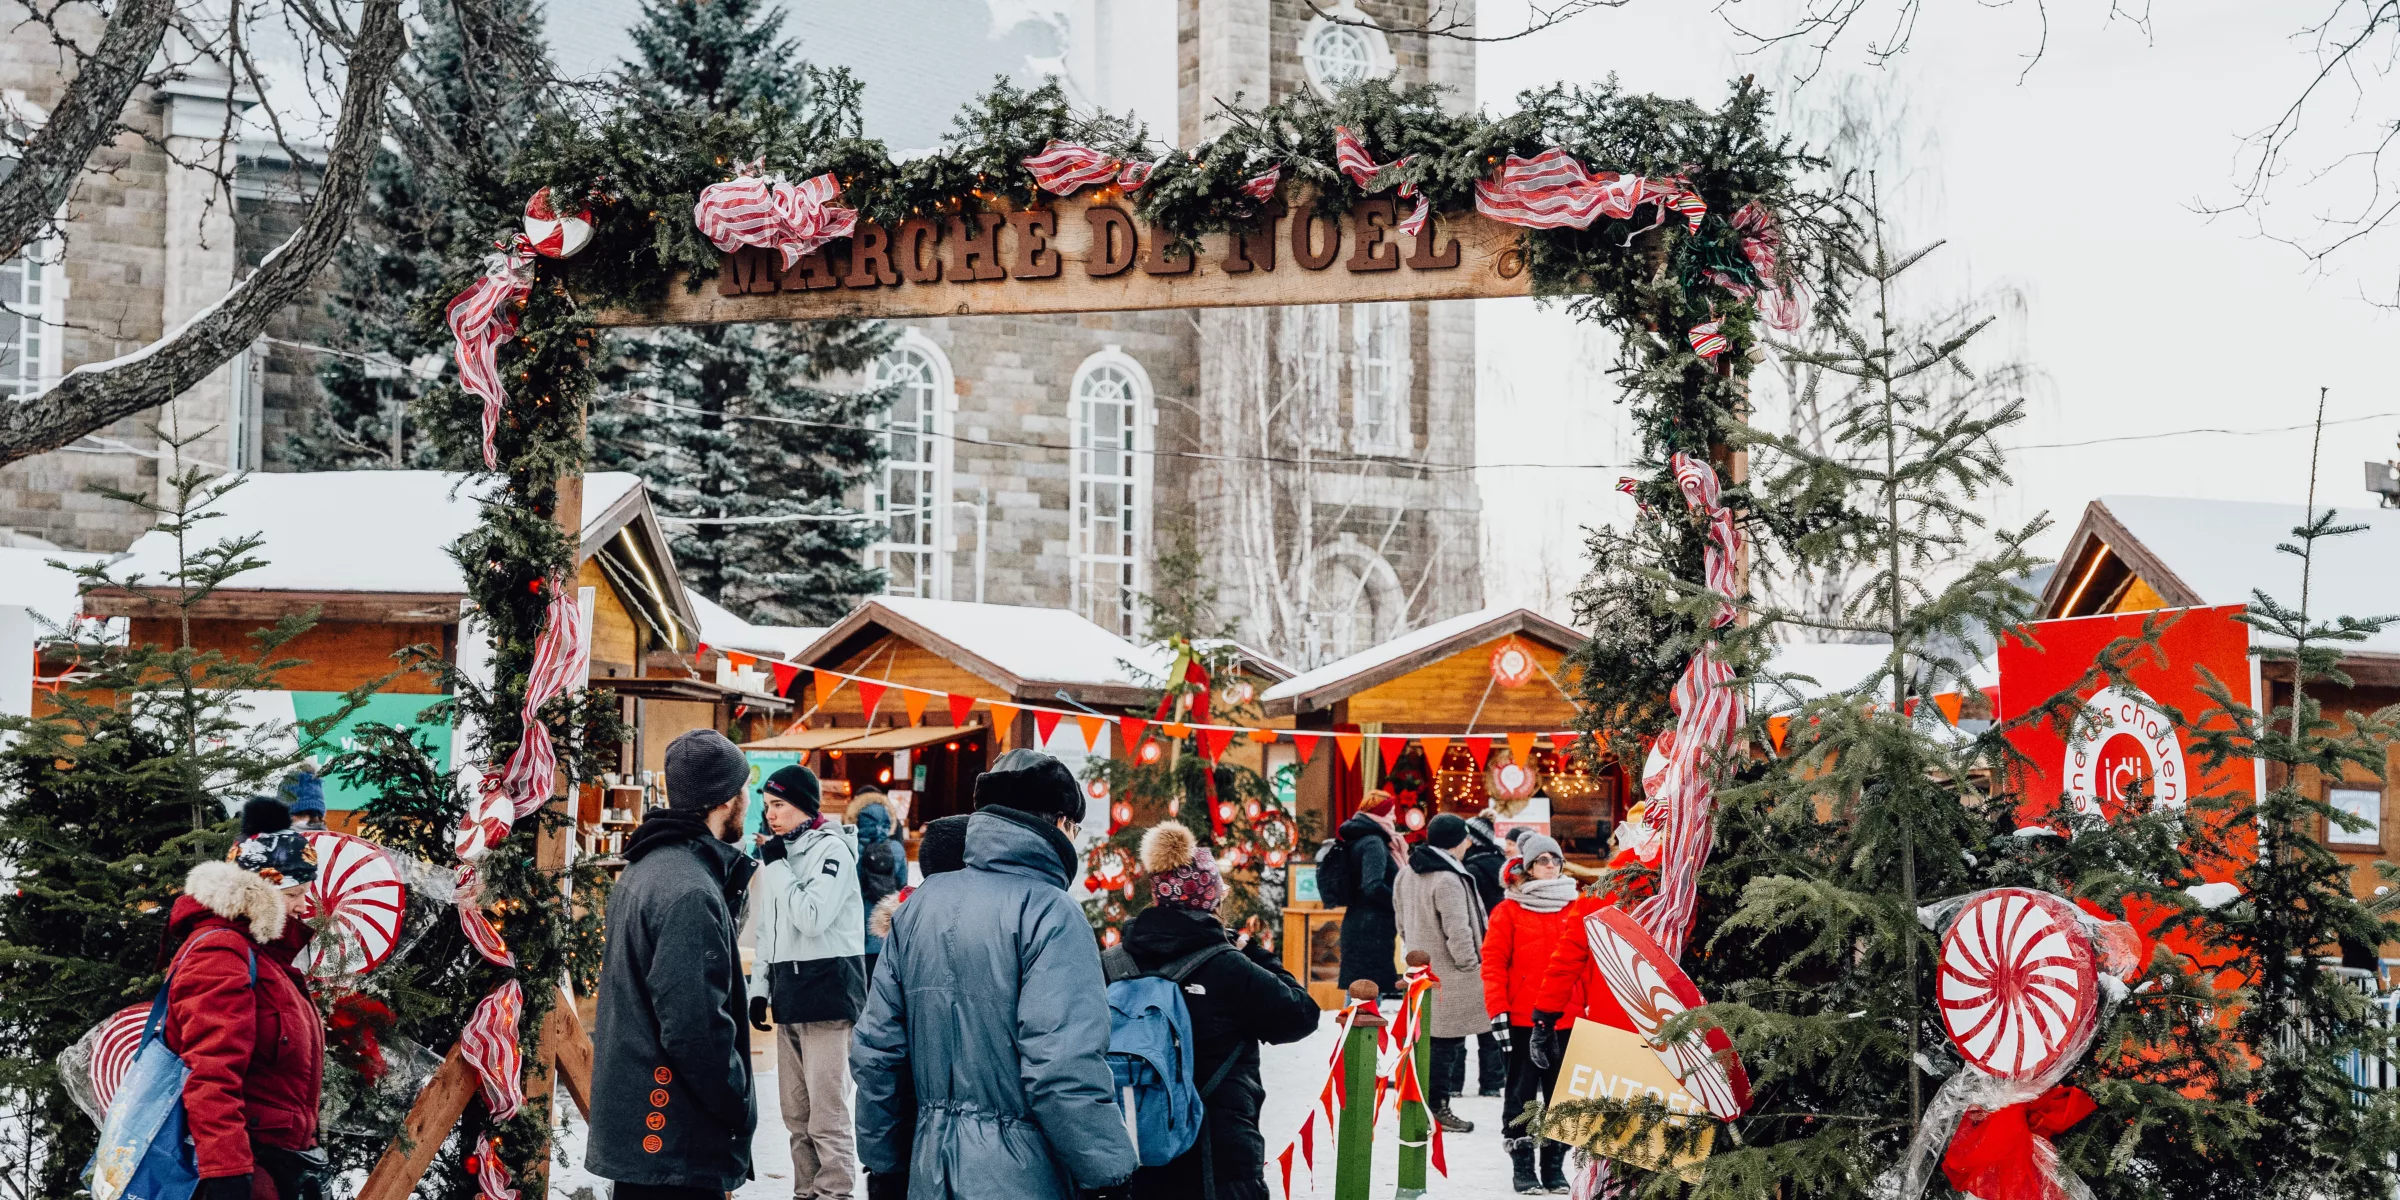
1416,1124
1354,1147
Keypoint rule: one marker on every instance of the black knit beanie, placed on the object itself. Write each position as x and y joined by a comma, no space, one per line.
943,846
704,770
265,814
797,786
1030,781
1445,831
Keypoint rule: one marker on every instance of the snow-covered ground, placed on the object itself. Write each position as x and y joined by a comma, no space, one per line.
1293,1075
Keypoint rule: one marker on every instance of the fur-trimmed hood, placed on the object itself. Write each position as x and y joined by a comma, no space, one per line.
238,896
879,921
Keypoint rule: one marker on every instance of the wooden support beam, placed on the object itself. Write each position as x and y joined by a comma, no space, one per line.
1088,254
563,1034
438,1107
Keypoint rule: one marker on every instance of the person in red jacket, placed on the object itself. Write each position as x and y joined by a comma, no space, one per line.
1568,988
1525,931
256,1050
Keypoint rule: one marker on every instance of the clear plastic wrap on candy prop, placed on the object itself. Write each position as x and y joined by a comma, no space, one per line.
2020,982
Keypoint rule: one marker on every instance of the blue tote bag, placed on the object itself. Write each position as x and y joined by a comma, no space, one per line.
145,1152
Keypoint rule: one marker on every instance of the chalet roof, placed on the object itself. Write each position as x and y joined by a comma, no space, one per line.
388,533
2213,552
28,580
1381,664
1032,653
725,631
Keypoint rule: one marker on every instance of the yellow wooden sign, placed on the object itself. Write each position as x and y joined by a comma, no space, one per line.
1603,1062
1088,253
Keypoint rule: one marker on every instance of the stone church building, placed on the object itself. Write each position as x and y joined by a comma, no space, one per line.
1314,460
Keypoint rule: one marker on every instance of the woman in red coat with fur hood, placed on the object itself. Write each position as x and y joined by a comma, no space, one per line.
256,1049
1526,929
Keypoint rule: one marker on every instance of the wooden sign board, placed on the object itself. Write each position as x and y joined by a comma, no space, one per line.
1603,1062
1089,254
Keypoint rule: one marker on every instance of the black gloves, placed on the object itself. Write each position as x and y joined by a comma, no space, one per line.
758,1013
887,1187
1543,1049
1500,1036
224,1187
773,849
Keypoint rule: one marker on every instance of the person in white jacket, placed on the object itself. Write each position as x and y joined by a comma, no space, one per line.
810,972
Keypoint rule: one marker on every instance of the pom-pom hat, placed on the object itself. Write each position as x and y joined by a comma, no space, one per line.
1182,872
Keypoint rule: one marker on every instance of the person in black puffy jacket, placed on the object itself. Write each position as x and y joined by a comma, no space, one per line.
1238,997
1369,930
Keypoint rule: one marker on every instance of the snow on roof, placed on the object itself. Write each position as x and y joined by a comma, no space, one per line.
28,580
724,631
350,531
1036,643
1835,667
1375,656
2223,549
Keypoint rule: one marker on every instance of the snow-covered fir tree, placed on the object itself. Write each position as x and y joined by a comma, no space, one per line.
735,424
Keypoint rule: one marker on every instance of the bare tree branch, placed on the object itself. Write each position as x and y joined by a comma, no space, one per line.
1448,21
92,397
52,158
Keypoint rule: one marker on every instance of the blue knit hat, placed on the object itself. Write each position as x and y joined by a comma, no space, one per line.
307,792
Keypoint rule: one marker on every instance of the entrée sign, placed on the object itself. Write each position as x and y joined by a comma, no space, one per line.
1090,254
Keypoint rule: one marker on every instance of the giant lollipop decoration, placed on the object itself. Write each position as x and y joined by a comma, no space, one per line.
120,1036
1652,989
360,890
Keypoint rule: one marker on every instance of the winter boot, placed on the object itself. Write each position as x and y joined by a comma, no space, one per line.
1520,1158
1451,1121
1554,1166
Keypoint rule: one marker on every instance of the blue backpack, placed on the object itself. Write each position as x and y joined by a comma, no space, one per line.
145,1153
1150,1053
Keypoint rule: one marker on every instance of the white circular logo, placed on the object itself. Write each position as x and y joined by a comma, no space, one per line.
2121,741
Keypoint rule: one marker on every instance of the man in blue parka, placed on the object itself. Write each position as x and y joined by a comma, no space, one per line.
981,1060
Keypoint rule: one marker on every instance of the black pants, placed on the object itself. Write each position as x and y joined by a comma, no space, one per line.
1526,1084
660,1191
1491,1066
1449,1069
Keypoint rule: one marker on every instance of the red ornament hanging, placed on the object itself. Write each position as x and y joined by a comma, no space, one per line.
1513,664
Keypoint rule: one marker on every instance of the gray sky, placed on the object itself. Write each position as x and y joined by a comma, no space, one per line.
2074,183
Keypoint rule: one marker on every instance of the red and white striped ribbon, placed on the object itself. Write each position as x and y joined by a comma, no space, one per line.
1707,712
491,1175
1706,340
1064,168
561,659
751,210
468,900
1351,156
489,1044
1262,187
482,317
1551,190
1780,301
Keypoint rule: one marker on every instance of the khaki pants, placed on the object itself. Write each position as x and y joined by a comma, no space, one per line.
812,1065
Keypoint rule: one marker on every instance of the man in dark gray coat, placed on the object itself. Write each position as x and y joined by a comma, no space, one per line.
981,1061
672,1105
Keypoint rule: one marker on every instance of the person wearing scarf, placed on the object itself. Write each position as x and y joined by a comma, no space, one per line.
1526,928
1370,925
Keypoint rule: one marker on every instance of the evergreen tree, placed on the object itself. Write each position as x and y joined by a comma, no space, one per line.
107,802
475,75
728,423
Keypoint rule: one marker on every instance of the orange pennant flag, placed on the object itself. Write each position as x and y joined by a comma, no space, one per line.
1264,737
1435,747
1777,727
914,701
826,682
1176,729
1004,717
741,660
1349,744
1520,748
1091,727
1951,703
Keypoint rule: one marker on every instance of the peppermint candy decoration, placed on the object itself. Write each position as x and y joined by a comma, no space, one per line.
1651,988
360,890
120,1038
2017,984
554,236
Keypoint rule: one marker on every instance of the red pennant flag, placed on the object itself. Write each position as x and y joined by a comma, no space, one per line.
1777,727
1308,1140
827,681
1441,1158
1004,717
1562,743
1091,727
1390,748
1044,722
870,696
1213,743
1286,1159
959,707
1910,708
1481,748
1951,704
700,651
1520,748
913,702
1129,733
1992,694
1348,744
1435,748
740,660
1306,743
784,673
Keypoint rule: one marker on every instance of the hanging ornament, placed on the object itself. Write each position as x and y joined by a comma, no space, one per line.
552,235
1513,664
1251,809
1510,783
1109,937
1238,693
1276,857
1150,752
1225,810
359,889
1414,818
1121,813
1706,341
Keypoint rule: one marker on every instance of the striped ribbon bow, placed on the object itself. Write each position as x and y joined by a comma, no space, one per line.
1351,156
482,317
1551,190
1261,187
561,659
468,900
489,1044
1706,340
752,210
1780,303
491,1175
1064,168
1707,712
